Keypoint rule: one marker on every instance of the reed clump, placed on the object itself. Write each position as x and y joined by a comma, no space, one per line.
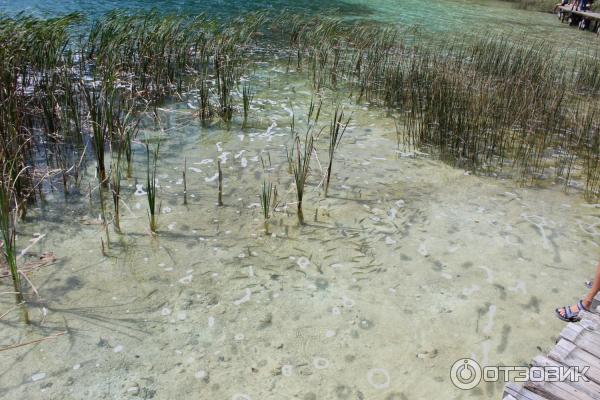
299,166
494,105
8,221
151,184
268,198
337,129
59,85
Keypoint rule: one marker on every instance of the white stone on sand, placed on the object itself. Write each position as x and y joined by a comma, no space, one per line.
38,377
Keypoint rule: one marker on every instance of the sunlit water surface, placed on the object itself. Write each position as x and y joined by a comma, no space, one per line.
406,267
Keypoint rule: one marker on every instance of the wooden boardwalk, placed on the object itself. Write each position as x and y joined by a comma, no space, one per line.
585,19
578,346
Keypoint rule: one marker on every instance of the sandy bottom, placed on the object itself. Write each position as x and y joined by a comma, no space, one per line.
408,266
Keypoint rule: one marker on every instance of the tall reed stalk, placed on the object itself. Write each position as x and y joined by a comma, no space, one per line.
151,163
299,166
267,198
336,133
8,229
184,178
247,97
116,177
220,183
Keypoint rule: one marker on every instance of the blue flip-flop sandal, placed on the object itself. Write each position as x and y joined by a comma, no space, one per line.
570,316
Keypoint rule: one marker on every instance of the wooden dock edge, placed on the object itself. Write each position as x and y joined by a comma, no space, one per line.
586,20
577,346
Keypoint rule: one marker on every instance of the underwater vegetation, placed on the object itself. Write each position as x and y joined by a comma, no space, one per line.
74,92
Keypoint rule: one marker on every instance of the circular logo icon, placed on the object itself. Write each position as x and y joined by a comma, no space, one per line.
465,374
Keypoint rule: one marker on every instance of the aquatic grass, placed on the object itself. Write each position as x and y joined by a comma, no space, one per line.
8,230
247,97
205,111
490,104
268,196
126,122
56,88
225,78
337,129
115,186
299,165
103,216
151,184
314,112
184,179
99,104
127,125
220,184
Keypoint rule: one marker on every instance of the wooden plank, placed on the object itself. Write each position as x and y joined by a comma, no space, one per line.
584,14
590,321
571,332
591,389
557,391
595,304
567,353
584,339
512,391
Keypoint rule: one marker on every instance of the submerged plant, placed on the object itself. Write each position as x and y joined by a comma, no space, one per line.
151,163
314,111
7,228
268,197
220,183
225,69
299,166
99,104
103,215
204,112
336,132
247,97
116,191
184,181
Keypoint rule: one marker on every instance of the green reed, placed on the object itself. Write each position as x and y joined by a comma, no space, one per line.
247,97
103,215
151,184
299,165
470,102
8,230
337,129
99,104
487,104
267,197
115,186
184,178
220,184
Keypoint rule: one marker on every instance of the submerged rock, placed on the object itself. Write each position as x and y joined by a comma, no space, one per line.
38,377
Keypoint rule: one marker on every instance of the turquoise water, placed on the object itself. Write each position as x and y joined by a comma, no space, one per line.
442,16
219,7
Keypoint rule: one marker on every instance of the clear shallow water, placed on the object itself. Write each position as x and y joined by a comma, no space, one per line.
408,266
